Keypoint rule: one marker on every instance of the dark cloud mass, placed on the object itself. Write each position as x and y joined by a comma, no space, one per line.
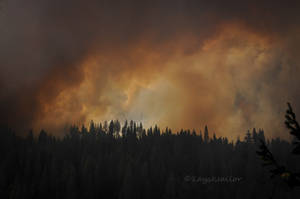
229,64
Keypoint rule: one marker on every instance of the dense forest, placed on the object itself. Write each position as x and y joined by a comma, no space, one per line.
129,161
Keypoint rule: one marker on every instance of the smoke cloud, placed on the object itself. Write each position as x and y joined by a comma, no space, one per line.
232,64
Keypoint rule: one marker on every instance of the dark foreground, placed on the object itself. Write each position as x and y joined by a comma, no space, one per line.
99,163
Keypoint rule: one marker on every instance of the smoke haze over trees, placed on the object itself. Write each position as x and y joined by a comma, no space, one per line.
185,64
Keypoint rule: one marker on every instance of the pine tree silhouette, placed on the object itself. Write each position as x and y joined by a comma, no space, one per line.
292,179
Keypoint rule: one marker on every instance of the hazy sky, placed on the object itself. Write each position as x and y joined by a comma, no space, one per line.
231,64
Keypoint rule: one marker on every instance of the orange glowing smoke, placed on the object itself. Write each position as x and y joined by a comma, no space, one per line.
231,66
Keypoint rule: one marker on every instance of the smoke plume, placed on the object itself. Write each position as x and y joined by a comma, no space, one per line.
232,64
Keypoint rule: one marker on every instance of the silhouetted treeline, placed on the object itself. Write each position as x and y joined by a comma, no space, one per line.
128,161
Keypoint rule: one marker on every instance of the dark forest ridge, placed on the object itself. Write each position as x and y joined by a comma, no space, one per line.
132,162
96,163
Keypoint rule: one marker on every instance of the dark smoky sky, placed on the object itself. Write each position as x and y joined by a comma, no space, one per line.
231,64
